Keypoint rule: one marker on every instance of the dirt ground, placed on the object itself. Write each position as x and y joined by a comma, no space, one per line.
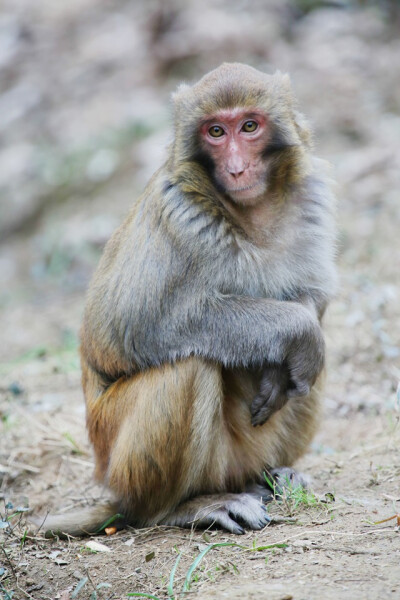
84,99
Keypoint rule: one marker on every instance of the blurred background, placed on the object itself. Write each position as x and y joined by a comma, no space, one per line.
84,120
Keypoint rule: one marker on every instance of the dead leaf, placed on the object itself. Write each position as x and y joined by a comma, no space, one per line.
97,547
150,556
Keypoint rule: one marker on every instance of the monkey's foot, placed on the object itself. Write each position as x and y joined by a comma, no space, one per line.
232,512
286,479
278,482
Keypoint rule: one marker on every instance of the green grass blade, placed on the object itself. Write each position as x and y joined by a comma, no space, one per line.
79,586
269,547
172,576
199,558
6,595
270,482
108,522
142,595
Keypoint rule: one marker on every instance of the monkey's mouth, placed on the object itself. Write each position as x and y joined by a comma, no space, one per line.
243,189
246,194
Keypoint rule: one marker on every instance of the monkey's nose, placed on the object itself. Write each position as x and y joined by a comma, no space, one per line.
237,170
236,174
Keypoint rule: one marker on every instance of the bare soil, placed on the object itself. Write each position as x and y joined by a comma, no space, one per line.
84,100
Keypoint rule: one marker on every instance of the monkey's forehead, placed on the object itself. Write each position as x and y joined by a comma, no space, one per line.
233,84
235,72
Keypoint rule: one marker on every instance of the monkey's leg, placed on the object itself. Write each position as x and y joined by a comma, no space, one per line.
271,449
164,448
279,477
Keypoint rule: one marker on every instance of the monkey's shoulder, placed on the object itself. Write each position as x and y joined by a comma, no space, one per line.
188,217
176,234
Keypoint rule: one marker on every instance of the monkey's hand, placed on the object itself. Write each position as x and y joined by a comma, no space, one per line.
291,379
273,393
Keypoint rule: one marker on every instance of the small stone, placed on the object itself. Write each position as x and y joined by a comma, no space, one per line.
15,388
78,575
97,547
129,542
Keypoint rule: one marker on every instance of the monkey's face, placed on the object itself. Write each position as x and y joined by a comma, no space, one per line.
235,140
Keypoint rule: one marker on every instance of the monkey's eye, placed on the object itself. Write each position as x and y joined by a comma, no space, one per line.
216,131
249,126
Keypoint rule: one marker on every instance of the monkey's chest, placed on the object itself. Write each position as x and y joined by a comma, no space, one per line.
267,274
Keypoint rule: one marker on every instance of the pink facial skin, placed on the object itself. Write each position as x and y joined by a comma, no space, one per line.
237,152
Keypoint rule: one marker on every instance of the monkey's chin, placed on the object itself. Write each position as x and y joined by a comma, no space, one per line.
248,195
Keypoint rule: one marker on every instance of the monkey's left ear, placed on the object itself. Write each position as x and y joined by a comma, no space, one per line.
283,80
283,89
302,128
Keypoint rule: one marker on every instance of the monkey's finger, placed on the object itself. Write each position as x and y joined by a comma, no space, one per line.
273,395
300,389
272,382
278,399
306,365
261,417
264,399
270,406
266,388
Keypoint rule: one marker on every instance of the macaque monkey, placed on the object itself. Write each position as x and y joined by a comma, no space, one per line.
202,348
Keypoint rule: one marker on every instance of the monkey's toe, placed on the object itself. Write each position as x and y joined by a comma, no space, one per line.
286,478
260,492
247,510
239,512
233,512
221,518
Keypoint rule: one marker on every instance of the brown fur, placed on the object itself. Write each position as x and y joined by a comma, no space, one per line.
170,433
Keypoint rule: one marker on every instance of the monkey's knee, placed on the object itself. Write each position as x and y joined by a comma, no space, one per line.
166,442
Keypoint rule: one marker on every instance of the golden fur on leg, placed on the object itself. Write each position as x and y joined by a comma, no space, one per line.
169,434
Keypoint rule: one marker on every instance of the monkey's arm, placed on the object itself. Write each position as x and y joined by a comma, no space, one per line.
229,329
276,386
